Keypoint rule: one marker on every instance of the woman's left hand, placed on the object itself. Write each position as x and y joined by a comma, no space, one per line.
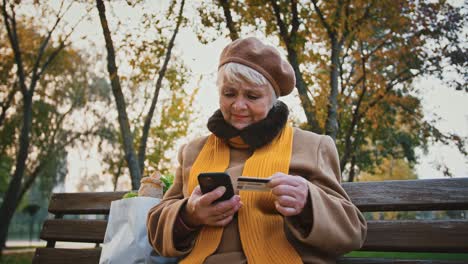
291,193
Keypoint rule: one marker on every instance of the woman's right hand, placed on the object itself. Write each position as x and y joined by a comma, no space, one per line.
200,209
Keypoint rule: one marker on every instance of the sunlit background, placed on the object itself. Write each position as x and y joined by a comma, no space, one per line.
94,158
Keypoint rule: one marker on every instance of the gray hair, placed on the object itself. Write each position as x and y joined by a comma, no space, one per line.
238,73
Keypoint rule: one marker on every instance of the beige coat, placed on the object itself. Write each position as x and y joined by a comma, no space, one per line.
329,226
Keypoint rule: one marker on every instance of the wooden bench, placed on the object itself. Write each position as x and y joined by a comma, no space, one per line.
449,236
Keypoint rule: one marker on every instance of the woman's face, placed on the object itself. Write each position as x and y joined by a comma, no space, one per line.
243,104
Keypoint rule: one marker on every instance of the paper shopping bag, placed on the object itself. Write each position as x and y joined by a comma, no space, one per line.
126,239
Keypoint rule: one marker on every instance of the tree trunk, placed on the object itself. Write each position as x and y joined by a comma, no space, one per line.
162,72
14,192
331,125
230,24
302,90
352,170
117,175
127,137
10,199
6,104
289,41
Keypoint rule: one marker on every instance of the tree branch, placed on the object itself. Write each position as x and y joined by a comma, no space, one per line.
13,37
59,124
322,20
127,136
336,23
294,61
45,42
117,174
360,20
367,56
162,72
342,62
6,105
282,27
389,87
231,25
28,181
56,52
356,115
346,18
295,18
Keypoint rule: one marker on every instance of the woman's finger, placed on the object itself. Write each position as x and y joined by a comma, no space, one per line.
287,190
208,198
197,191
230,212
284,179
225,206
286,211
220,217
287,201
223,222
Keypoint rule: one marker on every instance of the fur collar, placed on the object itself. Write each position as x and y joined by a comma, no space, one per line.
255,135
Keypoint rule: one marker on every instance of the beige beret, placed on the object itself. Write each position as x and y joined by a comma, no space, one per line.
263,58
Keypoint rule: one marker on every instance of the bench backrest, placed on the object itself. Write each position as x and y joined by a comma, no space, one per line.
383,235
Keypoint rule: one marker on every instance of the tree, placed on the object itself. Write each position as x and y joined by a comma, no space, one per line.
390,169
355,64
135,163
130,155
173,124
39,59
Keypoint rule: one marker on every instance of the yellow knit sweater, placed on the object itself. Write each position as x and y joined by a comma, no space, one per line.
260,225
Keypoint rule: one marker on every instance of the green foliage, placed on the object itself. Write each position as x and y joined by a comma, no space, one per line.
174,120
408,255
389,169
130,195
17,258
143,50
168,180
61,91
383,47
6,164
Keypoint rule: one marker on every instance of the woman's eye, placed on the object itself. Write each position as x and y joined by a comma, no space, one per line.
253,97
228,94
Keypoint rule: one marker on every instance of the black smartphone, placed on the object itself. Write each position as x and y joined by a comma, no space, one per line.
211,180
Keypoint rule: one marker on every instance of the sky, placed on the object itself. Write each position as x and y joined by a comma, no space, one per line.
451,105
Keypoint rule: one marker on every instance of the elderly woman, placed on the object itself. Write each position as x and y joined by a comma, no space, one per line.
306,217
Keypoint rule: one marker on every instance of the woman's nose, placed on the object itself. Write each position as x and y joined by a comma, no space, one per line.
239,104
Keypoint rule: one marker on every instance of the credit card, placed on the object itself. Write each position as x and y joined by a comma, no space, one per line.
252,184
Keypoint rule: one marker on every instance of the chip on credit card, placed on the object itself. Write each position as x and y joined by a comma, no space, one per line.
252,184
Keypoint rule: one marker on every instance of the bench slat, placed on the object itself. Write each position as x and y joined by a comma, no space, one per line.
410,236
61,255
395,261
449,236
83,203
423,195
91,231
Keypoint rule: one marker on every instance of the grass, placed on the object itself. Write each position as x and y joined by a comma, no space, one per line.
26,257
17,258
405,255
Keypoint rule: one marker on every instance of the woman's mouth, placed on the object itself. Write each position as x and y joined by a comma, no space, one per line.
239,116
